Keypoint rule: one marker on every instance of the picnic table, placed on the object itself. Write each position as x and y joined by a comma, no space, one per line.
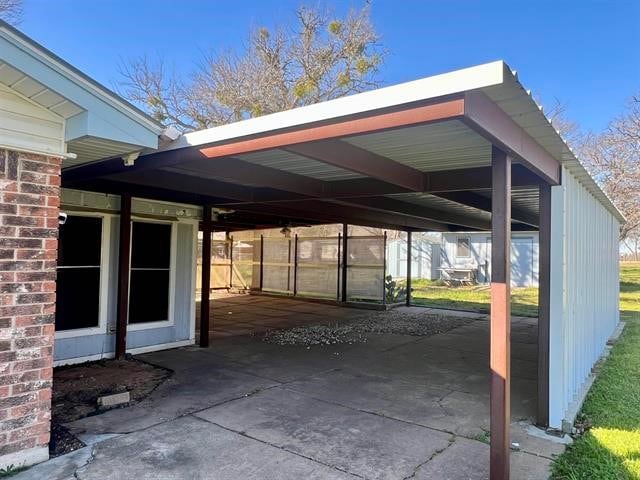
459,275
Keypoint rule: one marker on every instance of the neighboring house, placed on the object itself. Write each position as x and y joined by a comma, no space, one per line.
473,249
425,258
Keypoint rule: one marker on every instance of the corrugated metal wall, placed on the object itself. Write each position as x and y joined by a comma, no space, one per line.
584,291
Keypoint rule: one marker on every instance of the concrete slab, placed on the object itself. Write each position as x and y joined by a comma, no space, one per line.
389,397
193,387
469,460
392,407
60,468
360,443
194,449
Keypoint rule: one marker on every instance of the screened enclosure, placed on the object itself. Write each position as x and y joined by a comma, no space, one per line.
309,265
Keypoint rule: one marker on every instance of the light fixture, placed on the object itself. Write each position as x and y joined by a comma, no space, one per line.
286,231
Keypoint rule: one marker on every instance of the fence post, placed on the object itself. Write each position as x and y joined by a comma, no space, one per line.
409,262
345,234
261,260
338,272
230,243
384,268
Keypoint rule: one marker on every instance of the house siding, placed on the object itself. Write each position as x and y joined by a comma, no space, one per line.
181,329
27,126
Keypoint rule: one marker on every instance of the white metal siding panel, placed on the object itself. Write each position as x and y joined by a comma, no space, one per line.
587,313
27,126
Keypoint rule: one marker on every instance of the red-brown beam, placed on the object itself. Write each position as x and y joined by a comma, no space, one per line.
124,267
443,110
500,341
485,117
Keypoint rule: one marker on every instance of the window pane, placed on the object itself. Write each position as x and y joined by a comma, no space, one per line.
150,245
80,241
463,249
149,296
77,298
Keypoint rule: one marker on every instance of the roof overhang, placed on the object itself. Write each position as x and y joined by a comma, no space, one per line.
419,150
99,123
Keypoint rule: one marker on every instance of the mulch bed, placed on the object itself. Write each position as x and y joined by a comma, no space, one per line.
76,389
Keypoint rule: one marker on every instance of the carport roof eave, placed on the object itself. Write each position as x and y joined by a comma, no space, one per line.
395,96
495,80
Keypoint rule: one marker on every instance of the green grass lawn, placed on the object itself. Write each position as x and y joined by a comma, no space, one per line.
611,448
474,298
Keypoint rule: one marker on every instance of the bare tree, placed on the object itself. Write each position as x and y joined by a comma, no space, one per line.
11,11
318,58
613,157
569,130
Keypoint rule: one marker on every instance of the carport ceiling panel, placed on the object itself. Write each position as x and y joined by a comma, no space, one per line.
290,162
524,112
437,203
525,199
440,146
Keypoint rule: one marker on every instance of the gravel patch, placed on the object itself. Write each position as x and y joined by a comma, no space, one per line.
356,330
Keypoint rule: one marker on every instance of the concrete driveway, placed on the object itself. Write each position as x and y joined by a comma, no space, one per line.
395,407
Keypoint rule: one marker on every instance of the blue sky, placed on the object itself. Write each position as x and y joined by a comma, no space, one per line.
585,53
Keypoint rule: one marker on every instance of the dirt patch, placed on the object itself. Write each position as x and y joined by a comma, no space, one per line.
76,389
62,441
356,330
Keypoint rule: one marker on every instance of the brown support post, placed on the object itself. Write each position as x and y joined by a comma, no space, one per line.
409,268
500,328
205,298
295,265
544,305
345,257
124,267
261,261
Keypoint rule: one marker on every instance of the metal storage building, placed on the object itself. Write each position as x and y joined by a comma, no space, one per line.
473,250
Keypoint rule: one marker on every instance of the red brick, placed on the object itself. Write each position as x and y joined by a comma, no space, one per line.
23,221
40,167
54,180
8,231
17,446
21,243
29,205
25,199
27,232
29,298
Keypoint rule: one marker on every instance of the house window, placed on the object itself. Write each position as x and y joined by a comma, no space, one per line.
78,273
150,272
463,247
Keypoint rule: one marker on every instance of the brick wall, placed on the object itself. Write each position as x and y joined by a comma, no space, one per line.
29,204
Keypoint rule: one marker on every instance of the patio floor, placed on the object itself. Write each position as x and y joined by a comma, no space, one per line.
395,407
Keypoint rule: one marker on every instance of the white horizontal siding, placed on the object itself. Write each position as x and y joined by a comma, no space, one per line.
27,126
586,313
